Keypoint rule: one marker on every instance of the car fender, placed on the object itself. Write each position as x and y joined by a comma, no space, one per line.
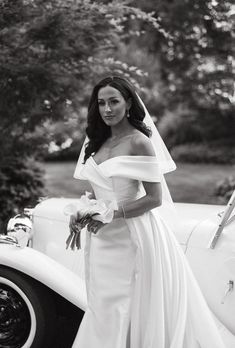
47,271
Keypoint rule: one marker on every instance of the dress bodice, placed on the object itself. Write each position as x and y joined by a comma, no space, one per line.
120,178
121,189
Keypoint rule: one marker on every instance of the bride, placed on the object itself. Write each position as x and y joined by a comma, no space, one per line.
141,292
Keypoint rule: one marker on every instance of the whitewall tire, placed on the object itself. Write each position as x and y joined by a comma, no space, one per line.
27,311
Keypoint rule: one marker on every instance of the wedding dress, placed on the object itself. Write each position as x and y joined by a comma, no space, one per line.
141,292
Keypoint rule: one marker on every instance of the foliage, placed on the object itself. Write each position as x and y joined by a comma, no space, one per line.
20,185
225,188
196,60
211,152
51,53
45,56
198,55
179,126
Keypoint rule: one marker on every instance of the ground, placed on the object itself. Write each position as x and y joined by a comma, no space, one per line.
190,183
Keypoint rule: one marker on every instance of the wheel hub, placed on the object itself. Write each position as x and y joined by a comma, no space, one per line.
15,319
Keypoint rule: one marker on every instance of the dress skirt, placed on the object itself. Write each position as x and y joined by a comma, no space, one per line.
109,268
141,292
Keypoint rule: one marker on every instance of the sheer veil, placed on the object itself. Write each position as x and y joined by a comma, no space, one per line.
166,165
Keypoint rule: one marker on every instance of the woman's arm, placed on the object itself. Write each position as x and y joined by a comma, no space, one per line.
83,187
142,146
151,200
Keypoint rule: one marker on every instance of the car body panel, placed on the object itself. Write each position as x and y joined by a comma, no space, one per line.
47,271
51,211
190,216
214,269
51,229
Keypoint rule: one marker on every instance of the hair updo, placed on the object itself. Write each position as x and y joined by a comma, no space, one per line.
97,131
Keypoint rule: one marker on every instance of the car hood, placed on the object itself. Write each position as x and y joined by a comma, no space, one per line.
53,208
189,214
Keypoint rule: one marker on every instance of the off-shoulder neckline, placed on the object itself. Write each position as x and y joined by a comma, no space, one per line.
121,156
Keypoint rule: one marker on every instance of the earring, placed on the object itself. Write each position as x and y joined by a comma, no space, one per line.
127,114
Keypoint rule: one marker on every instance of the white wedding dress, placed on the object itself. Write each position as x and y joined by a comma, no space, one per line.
141,292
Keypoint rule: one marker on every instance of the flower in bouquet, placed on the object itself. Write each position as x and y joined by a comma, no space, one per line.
86,209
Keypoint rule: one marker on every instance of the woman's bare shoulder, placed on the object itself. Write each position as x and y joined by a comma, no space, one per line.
141,145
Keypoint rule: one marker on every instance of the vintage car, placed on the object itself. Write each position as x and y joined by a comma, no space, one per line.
41,280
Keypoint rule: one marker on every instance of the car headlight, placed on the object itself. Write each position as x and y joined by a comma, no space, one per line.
5,239
20,227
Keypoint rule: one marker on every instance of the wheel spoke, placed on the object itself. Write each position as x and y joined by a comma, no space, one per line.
15,319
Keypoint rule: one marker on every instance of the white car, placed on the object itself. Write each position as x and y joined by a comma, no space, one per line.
40,279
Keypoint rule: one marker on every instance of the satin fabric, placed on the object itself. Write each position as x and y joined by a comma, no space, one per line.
141,292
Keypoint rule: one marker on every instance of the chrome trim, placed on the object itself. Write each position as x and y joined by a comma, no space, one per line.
5,239
225,220
20,229
20,221
29,212
230,286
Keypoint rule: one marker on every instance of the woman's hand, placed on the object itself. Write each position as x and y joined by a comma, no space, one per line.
74,223
94,226
118,213
78,222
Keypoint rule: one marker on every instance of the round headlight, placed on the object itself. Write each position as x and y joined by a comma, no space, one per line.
20,227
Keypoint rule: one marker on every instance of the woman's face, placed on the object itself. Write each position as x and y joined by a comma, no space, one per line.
112,105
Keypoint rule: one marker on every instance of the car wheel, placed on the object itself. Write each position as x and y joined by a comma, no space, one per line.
27,311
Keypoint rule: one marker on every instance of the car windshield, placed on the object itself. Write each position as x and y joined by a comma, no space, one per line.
231,216
227,217
231,209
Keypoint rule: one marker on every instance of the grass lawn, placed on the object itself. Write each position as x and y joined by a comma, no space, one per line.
193,183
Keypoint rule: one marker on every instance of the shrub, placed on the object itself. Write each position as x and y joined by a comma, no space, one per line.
179,126
20,185
225,188
213,152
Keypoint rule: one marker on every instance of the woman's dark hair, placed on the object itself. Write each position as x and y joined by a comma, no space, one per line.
97,131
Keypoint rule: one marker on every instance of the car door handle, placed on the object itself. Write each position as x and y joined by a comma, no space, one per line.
228,290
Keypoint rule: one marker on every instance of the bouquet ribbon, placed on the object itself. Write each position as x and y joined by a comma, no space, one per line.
86,209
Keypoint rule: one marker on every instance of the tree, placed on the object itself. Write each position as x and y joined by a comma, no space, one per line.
197,63
50,49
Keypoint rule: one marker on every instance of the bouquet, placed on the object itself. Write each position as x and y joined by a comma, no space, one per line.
85,210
